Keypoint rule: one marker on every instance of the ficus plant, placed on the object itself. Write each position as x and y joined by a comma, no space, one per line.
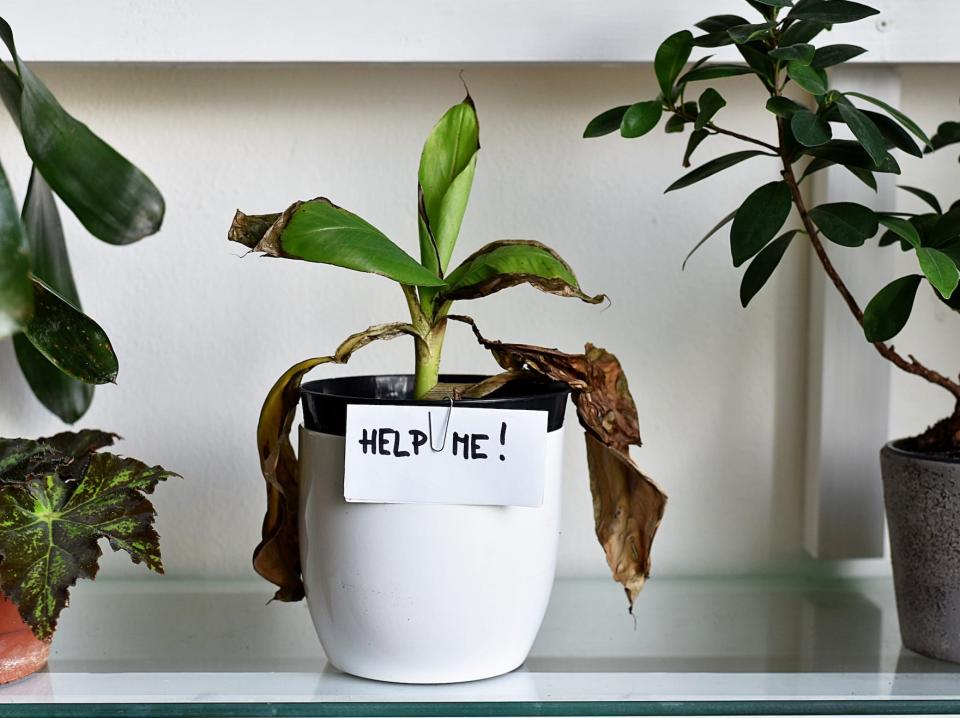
628,506
781,50
58,497
61,351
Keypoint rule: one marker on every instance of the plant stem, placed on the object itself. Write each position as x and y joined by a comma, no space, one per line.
428,343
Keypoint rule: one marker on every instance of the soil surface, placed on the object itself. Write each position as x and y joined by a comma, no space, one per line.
942,439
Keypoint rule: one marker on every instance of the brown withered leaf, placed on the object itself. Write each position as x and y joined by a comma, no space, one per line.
628,506
261,232
277,556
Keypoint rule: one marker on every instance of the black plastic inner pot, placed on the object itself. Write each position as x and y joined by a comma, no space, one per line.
325,401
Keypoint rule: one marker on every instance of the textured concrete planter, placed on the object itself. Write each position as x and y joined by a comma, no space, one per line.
922,496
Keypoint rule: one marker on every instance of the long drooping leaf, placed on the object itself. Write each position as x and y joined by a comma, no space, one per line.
713,72
851,154
69,339
716,228
65,396
50,528
113,199
16,294
940,270
763,266
888,312
708,169
895,114
510,262
926,196
319,231
606,122
893,133
671,56
832,11
758,220
710,103
845,223
864,129
830,55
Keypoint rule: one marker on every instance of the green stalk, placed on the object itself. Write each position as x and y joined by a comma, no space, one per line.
428,344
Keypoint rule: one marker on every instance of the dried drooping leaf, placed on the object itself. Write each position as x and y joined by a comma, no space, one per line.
50,527
628,506
22,457
277,556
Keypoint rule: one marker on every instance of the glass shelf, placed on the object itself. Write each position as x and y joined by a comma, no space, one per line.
697,647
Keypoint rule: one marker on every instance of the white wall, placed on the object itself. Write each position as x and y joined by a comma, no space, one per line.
202,333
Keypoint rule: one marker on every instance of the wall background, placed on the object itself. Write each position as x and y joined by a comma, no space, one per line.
202,333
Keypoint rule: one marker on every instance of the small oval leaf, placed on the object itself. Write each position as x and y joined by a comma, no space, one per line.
758,220
888,312
845,223
640,119
810,129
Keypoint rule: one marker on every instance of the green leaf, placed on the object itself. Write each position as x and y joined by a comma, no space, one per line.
713,39
507,263
713,72
710,168
640,118
831,55
902,228
674,124
948,133
16,295
758,220
18,457
606,122
888,312
759,61
802,31
851,154
810,129
69,339
894,113
776,3
893,133
671,56
865,176
319,231
864,130
832,11
696,137
801,53
63,395
720,23
720,225
810,79
784,106
114,200
845,223
762,267
746,33
945,229
447,166
940,270
927,197
711,102
50,528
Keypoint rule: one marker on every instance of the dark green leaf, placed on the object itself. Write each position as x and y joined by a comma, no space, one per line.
802,53
830,55
719,225
852,154
865,176
901,228
948,133
713,39
810,129
776,3
606,122
893,133
833,11
758,60
671,56
801,31
713,72
945,229
18,456
696,137
810,79
784,106
16,295
674,124
77,444
888,312
712,167
113,199
940,270
758,220
927,197
763,266
640,118
746,33
72,341
718,23
845,223
864,130
49,530
711,102
894,113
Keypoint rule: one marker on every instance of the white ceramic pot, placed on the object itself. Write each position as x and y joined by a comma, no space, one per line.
423,593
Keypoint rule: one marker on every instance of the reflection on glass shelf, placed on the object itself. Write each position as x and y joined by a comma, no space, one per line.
696,646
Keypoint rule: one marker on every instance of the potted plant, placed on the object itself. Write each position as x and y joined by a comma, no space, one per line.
921,474
59,495
420,592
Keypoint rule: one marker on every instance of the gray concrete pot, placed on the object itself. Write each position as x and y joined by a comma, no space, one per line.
922,496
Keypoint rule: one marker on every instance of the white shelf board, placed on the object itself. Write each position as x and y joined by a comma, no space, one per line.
415,31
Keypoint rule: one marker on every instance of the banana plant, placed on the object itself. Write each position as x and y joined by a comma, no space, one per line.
61,351
779,53
628,505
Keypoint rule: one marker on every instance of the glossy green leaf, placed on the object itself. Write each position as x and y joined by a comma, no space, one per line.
776,3
888,312
926,196
713,39
863,128
671,56
948,133
801,53
606,122
710,168
901,228
50,528
810,129
114,200
845,223
801,31
63,395
758,220
851,154
69,339
717,227
747,33
865,176
710,103
831,55
16,294
762,267
640,118
810,79
893,133
696,137
944,230
833,11
894,113
713,72
674,124
758,61
784,106
718,23
939,269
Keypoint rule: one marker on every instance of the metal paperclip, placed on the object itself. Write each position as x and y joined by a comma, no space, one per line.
446,426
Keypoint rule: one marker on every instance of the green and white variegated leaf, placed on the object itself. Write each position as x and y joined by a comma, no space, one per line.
50,528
